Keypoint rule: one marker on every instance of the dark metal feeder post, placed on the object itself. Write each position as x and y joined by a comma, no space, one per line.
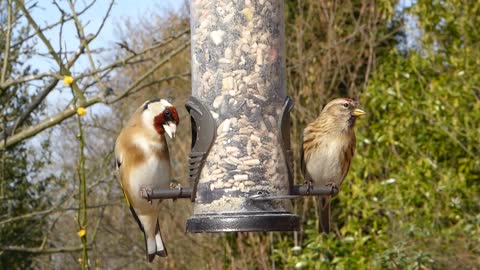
240,164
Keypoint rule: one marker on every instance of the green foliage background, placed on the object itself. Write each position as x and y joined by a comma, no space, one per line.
412,197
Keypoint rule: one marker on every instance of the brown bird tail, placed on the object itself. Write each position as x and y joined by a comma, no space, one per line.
324,214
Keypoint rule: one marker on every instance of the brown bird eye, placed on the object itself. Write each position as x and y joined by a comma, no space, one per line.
345,105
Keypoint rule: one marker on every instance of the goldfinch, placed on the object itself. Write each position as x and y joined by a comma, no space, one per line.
327,150
143,164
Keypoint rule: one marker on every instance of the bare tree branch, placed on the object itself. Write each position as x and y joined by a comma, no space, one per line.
55,120
84,40
70,111
42,250
165,60
7,42
39,98
143,86
126,60
56,210
53,25
53,83
63,68
25,79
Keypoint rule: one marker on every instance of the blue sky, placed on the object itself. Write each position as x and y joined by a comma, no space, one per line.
46,13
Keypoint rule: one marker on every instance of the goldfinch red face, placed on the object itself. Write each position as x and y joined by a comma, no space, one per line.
161,116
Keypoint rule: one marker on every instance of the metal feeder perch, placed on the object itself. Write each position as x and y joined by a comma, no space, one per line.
240,165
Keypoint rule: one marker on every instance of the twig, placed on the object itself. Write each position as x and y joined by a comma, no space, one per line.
41,251
178,76
28,78
69,112
4,160
7,42
85,40
126,60
57,209
135,84
63,69
124,45
60,117
39,98
51,26
82,211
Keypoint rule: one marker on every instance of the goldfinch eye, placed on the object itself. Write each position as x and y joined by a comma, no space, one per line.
345,105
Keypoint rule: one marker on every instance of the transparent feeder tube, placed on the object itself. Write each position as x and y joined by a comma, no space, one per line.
238,72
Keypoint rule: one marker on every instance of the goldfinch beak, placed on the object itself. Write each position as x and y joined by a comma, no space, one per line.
358,112
170,128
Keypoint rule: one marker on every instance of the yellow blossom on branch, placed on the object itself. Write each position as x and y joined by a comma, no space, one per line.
67,80
81,233
81,111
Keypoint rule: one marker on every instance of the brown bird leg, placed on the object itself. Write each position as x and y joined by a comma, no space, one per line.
309,184
176,186
146,193
333,186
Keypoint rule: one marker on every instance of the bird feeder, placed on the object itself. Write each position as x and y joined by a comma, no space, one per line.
240,165
240,143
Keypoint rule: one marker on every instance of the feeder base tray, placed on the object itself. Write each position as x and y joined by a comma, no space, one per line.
243,222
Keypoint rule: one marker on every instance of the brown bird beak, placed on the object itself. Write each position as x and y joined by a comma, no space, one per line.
358,112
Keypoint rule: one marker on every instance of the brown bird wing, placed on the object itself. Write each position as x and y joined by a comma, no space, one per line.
347,153
119,160
303,165
302,156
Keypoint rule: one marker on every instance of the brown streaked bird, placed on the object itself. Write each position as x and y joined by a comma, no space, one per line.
143,164
327,150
